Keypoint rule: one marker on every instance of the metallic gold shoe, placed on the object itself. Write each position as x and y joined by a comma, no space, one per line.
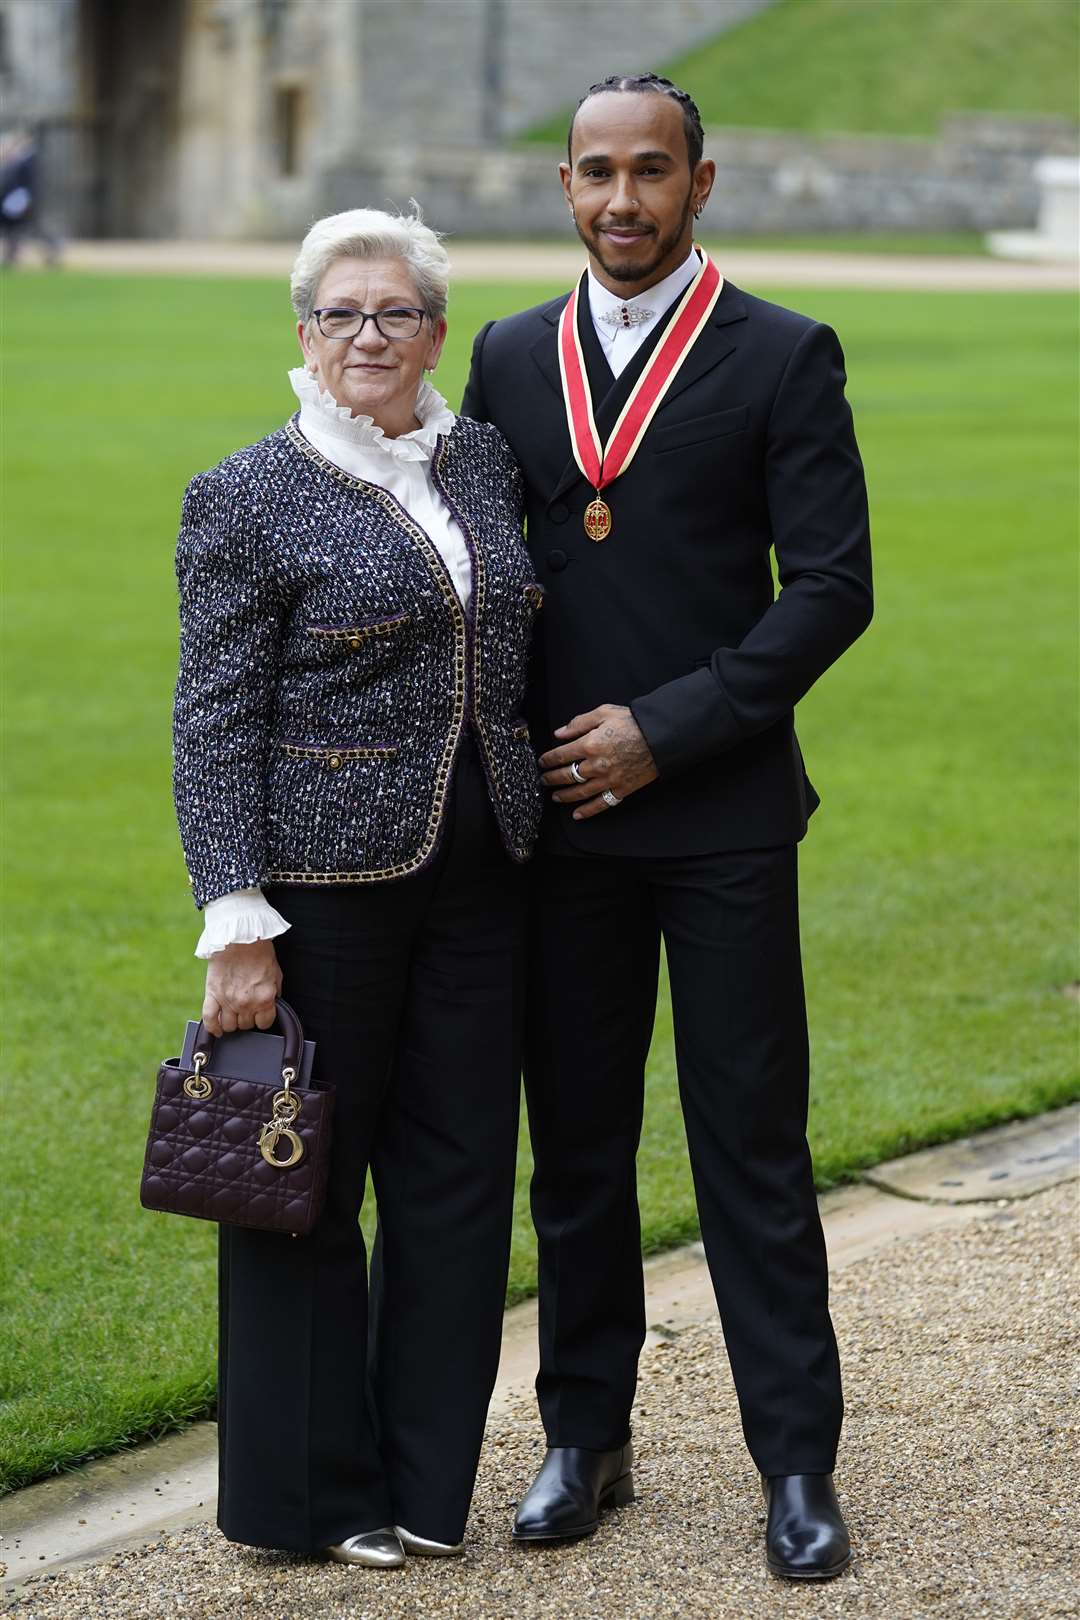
378,1549
418,1547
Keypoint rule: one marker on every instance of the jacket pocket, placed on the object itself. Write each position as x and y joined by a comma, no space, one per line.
334,756
356,636
700,429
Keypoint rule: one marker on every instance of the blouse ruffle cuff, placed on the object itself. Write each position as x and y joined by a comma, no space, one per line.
239,918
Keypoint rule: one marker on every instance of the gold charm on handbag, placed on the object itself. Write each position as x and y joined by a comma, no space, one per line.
286,1106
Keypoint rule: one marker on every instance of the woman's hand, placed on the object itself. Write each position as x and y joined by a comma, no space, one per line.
242,984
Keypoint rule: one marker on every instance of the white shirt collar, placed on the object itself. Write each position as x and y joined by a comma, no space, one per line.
657,299
321,411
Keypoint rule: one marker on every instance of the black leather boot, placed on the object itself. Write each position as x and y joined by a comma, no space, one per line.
570,1492
806,1538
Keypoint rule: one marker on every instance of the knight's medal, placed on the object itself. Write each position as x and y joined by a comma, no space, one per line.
598,519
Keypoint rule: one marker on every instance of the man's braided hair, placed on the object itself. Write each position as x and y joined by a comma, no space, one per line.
641,83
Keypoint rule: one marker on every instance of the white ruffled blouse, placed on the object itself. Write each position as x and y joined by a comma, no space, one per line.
403,467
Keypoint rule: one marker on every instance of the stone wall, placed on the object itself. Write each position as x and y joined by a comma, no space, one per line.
978,175
38,59
475,71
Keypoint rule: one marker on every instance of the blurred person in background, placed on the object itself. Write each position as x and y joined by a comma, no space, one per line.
20,199
356,793
673,431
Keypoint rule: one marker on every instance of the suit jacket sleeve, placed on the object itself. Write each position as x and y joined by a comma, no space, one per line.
816,498
230,632
473,402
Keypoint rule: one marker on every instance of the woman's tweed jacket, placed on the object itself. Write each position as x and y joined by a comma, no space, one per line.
328,669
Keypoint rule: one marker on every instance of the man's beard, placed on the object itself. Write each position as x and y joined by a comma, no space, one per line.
638,272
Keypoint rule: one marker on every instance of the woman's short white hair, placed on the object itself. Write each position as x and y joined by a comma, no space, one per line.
368,233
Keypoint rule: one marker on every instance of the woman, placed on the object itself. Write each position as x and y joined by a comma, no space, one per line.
356,793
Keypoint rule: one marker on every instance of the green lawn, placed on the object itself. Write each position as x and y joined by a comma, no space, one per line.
890,66
939,877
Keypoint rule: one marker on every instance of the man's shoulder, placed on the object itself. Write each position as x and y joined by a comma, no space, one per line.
773,320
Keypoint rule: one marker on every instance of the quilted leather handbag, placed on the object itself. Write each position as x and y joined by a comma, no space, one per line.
233,1138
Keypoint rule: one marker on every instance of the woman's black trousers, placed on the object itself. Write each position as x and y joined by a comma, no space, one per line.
342,1411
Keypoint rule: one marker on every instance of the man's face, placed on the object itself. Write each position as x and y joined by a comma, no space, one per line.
630,187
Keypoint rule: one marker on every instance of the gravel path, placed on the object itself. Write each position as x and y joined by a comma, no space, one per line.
960,1472
561,262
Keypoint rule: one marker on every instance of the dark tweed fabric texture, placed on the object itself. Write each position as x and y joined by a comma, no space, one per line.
328,669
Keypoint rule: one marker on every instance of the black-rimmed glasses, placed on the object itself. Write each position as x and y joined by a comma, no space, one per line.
348,323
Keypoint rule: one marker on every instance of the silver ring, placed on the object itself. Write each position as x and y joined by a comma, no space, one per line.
576,774
610,798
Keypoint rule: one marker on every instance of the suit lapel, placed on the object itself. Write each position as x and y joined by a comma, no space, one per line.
714,344
545,351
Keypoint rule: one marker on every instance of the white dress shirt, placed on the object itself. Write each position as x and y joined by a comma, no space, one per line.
403,467
621,343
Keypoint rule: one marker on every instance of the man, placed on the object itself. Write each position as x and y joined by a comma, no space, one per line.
672,430
20,202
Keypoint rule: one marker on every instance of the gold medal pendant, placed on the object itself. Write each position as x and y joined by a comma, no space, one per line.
598,519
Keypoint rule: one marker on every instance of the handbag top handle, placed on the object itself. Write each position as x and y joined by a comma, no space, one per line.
290,1027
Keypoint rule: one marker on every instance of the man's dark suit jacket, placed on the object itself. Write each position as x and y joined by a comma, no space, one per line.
674,613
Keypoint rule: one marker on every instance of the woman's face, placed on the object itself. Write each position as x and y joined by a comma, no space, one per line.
370,374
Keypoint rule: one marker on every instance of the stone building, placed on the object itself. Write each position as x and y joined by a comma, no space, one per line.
217,118
249,118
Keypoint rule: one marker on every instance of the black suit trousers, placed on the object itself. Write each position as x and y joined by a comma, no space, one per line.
336,1418
729,923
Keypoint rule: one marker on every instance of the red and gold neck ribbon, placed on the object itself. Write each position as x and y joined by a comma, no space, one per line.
602,464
